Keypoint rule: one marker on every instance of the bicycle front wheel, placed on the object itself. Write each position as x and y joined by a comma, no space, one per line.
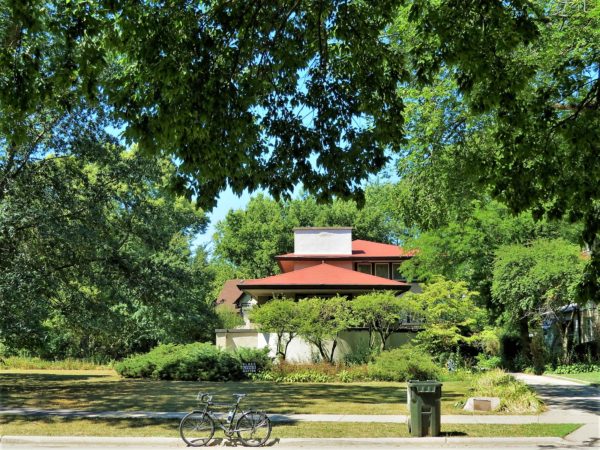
253,428
196,429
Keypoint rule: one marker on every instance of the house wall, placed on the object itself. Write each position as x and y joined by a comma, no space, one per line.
590,323
300,351
233,339
304,264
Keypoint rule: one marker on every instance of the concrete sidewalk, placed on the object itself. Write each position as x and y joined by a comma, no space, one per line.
548,417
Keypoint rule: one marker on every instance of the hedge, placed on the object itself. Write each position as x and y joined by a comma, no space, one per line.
192,362
403,364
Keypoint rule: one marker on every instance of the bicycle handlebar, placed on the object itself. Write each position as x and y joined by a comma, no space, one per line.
205,397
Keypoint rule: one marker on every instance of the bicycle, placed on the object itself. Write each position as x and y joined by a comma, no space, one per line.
197,428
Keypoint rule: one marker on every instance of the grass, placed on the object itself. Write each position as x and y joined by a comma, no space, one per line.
588,377
22,363
104,390
53,426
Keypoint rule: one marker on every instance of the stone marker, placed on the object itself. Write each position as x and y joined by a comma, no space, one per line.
482,404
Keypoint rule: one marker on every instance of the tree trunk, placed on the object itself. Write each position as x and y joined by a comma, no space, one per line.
333,347
384,337
281,350
566,357
287,344
524,335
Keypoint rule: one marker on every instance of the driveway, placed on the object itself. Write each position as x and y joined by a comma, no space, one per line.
564,395
569,401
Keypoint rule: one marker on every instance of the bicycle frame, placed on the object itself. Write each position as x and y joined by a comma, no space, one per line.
234,409
197,428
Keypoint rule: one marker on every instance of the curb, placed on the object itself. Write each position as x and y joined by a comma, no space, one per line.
501,442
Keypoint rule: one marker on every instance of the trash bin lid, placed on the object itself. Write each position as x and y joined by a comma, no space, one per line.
424,386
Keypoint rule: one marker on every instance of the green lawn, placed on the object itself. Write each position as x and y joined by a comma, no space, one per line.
103,390
168,428
589,377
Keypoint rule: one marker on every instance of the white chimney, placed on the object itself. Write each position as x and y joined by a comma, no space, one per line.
323,241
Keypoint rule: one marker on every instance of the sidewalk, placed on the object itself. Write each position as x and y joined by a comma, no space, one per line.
547,417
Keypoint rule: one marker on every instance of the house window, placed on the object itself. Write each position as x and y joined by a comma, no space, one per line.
396,272
364,268
382,270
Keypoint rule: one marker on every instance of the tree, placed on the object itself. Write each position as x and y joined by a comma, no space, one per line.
248,239
95,253
464,249
535,282
279,316
451,315
228,317
245,95
530,139
383,313
322,319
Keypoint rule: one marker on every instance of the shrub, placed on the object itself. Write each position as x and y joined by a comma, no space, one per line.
576,368
312,373
402,364
359,354
259,356
485,362
191,362
354,373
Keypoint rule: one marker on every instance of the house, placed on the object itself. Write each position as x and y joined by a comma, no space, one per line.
326,262
579,325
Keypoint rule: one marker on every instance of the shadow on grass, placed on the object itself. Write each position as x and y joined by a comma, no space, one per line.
105,393
116,423
452,433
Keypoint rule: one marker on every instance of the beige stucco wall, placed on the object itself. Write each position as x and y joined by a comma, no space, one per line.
299,350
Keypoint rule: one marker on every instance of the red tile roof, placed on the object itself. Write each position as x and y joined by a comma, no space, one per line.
361,249
376,249
230,293
325,275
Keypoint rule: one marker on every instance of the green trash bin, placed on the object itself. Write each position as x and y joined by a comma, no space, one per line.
424,400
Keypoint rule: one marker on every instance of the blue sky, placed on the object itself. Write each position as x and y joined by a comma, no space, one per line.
227,200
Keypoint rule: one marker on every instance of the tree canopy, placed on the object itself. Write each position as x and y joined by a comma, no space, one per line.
95,255
529,140
464,248
537,281
261,94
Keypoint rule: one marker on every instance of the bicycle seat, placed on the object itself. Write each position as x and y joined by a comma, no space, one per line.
239,395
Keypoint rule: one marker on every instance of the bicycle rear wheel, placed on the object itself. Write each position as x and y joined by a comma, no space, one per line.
253,428
196,429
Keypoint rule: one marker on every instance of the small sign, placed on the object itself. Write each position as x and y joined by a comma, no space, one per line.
249,367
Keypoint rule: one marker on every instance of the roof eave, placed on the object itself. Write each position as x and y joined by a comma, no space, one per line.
340,257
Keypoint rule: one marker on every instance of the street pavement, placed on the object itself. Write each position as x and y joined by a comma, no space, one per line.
569,402
44,442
